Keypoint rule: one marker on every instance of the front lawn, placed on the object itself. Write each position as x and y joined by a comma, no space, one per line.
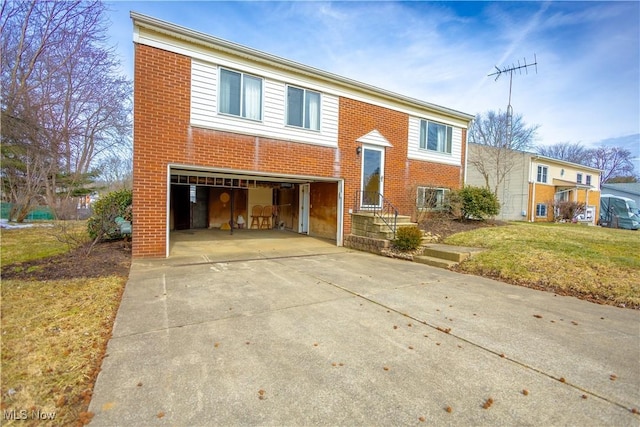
594,263
58,308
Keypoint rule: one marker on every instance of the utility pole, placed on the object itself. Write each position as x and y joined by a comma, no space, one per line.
511,70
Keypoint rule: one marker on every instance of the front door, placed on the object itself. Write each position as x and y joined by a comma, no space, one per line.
372,177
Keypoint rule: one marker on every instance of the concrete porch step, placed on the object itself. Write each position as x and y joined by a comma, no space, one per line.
452,253
434,262
401,219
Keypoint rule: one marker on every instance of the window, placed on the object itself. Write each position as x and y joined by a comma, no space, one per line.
541,210
435,137
240,95
579,178
542,174
303,108
587,179
431,198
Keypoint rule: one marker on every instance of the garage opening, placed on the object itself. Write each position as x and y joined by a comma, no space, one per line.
238,202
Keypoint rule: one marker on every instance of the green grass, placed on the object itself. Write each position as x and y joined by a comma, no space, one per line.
54,333
595,263
43,240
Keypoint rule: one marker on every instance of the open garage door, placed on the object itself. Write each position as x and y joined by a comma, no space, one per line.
234,201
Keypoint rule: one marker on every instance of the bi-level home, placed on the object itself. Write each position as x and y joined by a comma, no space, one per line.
226,136
530,184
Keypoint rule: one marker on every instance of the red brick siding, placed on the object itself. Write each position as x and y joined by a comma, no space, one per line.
161,118
235,151
401,174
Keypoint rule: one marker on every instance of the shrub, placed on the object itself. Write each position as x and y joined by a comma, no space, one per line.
474,202
408,238
102,225
567,211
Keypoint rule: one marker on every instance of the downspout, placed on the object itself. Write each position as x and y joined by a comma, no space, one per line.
533,201
586,206
533,193
466,155
525,180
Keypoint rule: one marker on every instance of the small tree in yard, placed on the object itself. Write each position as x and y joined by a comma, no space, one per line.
102,225
566,211
474,203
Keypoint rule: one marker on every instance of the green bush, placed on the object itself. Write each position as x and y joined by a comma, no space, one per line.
115,204
408,238
475,202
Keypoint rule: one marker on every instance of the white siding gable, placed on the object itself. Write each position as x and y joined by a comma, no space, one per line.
204,110
374,138
416,153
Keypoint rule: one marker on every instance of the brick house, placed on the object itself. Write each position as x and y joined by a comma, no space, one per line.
222,129
534,183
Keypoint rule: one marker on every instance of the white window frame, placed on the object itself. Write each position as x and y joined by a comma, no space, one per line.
542,174
440,198
579,178
306,120
541,207
423,142
587,179
242,106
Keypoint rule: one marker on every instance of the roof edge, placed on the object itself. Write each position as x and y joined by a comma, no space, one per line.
539,156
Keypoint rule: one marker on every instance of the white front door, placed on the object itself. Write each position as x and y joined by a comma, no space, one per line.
303,214
372,183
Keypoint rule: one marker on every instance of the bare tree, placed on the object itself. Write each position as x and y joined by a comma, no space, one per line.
612,161
495,160
116,172
570,152
62,96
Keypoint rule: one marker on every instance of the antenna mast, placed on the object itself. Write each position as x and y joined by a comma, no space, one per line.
510,70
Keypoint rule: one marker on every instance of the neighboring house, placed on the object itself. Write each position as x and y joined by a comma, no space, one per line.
221,129
532,183
630,190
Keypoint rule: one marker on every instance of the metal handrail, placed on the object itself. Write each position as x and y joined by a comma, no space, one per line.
383,209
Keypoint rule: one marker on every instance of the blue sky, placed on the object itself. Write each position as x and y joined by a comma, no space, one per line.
586,89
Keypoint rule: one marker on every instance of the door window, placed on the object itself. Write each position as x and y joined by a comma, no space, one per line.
372,176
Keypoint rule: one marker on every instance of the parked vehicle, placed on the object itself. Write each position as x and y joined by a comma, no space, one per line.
618,212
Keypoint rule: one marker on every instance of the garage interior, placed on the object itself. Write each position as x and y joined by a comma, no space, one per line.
240,203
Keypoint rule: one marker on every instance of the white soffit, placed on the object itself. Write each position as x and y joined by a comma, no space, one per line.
374,138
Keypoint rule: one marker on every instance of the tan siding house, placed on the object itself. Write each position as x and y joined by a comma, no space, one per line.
532,183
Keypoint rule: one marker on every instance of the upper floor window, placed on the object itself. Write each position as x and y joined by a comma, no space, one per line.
587,179
542,174
303,108
579,178
435,136
240,95
431,198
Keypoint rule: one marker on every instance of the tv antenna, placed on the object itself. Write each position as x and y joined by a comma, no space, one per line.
513,68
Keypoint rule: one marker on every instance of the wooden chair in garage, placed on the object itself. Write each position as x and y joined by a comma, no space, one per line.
267,212
256,216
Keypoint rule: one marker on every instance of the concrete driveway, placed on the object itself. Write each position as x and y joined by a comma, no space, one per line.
301,332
